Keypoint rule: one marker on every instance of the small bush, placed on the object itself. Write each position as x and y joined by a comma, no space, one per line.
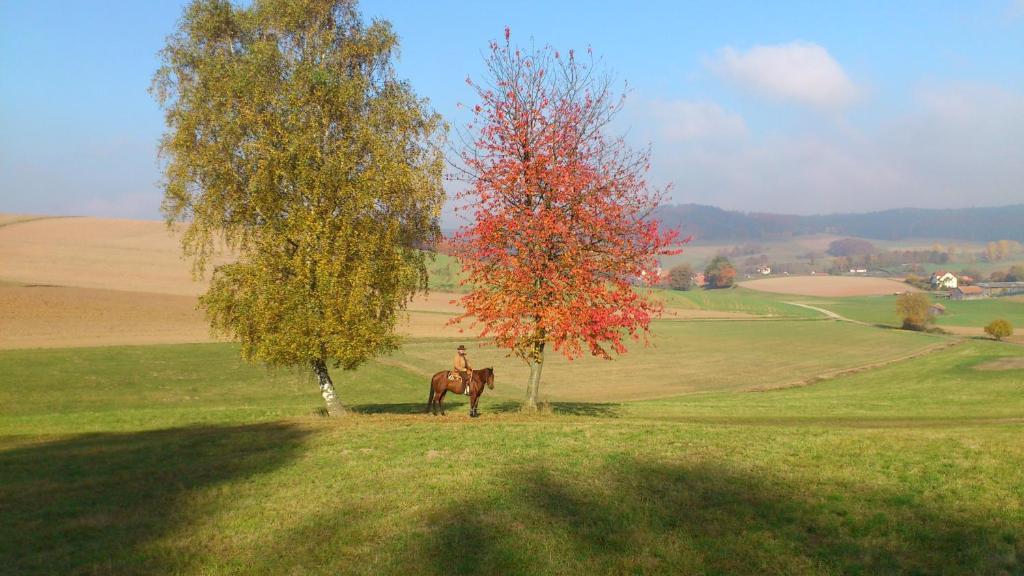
719,273
999,329
680,277
912,308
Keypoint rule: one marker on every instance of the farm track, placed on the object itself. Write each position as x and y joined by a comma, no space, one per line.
830,314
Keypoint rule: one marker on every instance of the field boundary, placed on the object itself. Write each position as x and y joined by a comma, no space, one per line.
26,219
839,373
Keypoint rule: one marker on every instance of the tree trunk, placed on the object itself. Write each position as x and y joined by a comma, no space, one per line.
334,407
533,387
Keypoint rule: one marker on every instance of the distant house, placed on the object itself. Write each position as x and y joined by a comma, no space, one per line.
943,280
967,293
858,270
698,278
936,310
766,270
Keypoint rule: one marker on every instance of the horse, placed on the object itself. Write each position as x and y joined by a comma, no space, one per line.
441,385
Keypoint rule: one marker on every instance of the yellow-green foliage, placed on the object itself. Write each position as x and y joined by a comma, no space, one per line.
912,308
292,141
999,329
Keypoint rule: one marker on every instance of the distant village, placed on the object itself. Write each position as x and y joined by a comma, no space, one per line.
965,288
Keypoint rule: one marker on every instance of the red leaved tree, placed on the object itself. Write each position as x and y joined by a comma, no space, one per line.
561,228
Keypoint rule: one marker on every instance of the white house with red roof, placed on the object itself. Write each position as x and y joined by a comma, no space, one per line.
943,280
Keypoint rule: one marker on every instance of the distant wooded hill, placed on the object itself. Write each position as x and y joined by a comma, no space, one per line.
707,223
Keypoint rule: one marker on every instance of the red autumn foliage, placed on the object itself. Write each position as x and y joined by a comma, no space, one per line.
561,227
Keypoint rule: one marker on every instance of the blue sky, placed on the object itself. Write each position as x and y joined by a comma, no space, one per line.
795,107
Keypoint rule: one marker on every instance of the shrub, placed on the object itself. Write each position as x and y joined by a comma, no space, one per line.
719,273
912,308
999,329
680,277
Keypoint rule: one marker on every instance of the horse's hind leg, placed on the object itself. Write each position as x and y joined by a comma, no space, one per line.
430,400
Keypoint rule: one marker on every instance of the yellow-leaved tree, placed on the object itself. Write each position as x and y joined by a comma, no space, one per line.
291,140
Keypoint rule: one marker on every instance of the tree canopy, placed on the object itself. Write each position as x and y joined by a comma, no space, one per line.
999,329
680,277
719,273
912,308
561,225
291,141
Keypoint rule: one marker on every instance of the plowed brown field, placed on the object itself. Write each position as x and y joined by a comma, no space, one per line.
829,286
95,281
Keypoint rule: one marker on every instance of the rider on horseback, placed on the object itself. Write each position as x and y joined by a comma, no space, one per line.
462,370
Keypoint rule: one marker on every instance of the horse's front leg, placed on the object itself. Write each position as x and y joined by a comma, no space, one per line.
473,399
440,402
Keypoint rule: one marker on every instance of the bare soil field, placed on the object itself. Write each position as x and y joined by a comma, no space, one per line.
100,253
6,219
828,286
95,282
39,316
42,316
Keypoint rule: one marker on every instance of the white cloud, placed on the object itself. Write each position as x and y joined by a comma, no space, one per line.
956,145
801,72
683,120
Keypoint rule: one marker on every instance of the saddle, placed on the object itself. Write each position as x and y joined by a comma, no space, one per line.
454,375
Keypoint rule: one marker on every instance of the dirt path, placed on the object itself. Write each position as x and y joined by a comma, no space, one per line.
829,313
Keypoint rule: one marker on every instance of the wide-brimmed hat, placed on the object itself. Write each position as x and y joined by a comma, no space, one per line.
461,347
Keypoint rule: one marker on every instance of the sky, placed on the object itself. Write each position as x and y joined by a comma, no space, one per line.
794,107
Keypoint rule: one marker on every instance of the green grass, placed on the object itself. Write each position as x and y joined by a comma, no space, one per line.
182,460
84,390
736,299
688,357
445,273
882,310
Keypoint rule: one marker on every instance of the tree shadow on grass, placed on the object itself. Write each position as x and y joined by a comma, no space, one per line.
637,517
400,408
98,503
593,409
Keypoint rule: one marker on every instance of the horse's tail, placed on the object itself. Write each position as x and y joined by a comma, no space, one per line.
431,391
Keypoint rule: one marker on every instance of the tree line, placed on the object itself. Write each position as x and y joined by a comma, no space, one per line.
711,224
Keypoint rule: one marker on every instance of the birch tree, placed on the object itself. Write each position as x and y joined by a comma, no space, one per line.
290,139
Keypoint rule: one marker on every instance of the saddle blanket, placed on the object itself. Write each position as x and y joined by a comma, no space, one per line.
455,377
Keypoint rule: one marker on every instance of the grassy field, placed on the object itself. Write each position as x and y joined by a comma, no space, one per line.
170,383
737,299
882,310
182,459
752,437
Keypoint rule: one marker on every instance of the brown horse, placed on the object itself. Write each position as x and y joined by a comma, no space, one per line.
441,385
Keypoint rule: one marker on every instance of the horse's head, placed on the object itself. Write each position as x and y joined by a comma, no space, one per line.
489,377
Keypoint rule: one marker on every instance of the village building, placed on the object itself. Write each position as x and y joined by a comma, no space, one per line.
967,293
943,280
